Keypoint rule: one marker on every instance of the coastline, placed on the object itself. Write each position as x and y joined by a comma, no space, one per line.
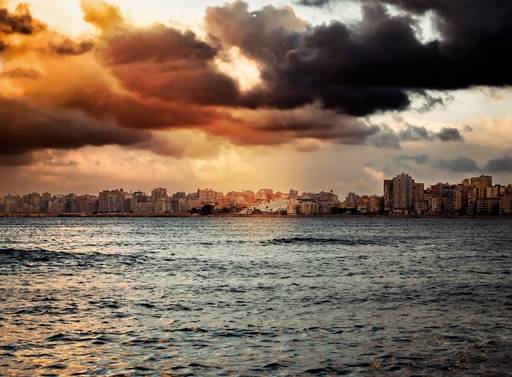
277,216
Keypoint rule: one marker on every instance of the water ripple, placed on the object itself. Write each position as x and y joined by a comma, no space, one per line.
255,297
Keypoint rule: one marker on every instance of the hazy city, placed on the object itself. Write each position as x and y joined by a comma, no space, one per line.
401,196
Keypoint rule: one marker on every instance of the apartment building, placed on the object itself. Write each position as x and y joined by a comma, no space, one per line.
402,194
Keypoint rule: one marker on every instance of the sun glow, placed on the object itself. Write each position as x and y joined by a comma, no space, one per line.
64,16
244,70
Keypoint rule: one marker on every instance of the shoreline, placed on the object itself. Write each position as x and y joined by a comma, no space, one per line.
186,215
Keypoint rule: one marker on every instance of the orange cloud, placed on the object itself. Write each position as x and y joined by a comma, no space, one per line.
164,63
26,128
152,78
101,14
19,22
125,83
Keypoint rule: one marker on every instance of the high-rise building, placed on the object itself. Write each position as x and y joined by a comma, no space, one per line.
388,195
486,180
32,202
403,194
46,201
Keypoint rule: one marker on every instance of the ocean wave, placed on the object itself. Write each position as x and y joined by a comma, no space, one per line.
31,257
36,255
320,241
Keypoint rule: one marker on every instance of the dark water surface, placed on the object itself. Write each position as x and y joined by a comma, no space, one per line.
255,296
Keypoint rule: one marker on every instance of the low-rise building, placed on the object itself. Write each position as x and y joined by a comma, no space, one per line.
506,205
488,206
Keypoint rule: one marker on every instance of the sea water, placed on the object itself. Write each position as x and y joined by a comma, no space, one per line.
203,296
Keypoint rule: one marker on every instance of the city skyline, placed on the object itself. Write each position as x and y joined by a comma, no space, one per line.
322,95
266,187
401,195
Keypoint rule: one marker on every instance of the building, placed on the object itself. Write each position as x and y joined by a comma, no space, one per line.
32,202
157,194
388,195
162,206
506,205
179,202
485,180
375,204
46,201
111,200
278,207
405,194
240,200
293,194
476,190
264,195
442,198
206,196
488,206
12,203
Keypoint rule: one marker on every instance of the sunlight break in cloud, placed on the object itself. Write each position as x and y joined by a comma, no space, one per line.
375,174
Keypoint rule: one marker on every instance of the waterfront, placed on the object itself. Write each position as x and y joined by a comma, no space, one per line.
255,296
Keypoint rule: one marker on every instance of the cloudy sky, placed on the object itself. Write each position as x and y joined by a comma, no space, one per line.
312,95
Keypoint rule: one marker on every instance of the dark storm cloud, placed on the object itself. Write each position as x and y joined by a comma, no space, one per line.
161,78
25,128
159,43
266,35
145,113
416,133
457,165
170,65
314,3
476,35
428,101
328,126
351,130
419,159
386,138
69,47
384,51
330,64
449,134
375,65
20,23
498,165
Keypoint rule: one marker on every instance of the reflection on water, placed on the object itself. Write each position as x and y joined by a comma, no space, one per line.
250,297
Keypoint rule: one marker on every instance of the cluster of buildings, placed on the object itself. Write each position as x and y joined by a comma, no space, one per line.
207,201
402,195
473,196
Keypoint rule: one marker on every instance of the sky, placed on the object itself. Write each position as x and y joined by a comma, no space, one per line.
312,95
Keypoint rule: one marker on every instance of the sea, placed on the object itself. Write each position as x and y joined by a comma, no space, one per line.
229,296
